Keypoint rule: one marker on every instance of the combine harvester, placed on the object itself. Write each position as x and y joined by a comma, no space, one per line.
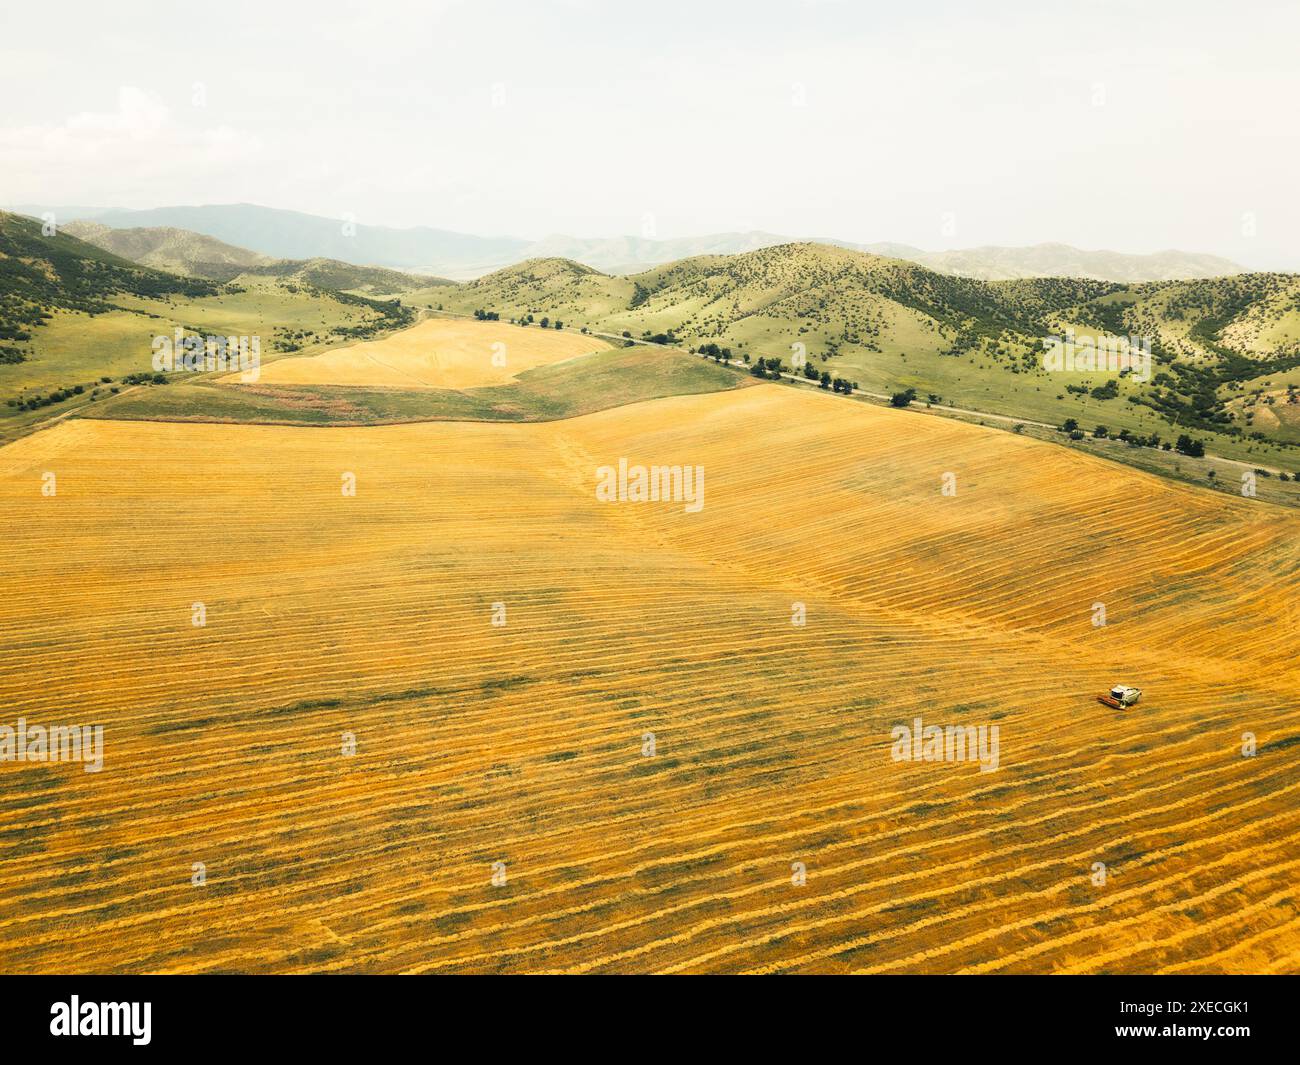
1121,697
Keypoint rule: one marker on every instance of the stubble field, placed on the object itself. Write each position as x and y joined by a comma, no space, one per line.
525,743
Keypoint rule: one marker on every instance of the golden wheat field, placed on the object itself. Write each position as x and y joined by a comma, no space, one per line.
524,743
436,353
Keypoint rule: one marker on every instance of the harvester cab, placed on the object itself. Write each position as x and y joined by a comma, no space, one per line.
1121,697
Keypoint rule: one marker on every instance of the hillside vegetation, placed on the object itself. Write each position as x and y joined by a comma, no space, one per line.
892,325
77,322
177,251
1225,352
39,274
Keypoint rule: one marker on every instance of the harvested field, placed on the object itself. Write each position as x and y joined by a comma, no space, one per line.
525,743
436,353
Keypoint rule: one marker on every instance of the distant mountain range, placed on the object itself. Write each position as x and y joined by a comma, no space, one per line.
1061,260
181,251
273,233
294,235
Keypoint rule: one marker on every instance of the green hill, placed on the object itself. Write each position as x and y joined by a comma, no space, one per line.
891,325
40,275
77,322
1225,352
39,272
345,277
177,251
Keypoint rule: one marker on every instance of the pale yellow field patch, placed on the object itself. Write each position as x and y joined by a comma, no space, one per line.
436,353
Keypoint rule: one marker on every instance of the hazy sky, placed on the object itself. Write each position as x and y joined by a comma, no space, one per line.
1123,125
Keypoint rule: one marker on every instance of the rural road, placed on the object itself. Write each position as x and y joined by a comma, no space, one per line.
967,411
45,423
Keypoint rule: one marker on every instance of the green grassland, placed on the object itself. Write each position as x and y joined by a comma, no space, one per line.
77,323
76,349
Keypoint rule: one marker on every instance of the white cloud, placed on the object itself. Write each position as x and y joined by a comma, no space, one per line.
139,146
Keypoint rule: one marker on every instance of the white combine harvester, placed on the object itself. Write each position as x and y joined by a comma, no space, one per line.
1121,697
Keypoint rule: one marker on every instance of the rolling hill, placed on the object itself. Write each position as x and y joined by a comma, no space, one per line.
627,255
39,274
1225,351
178,251
892,325
181,251
339,276
77,322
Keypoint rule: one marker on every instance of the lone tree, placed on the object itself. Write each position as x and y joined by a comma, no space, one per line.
902,399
